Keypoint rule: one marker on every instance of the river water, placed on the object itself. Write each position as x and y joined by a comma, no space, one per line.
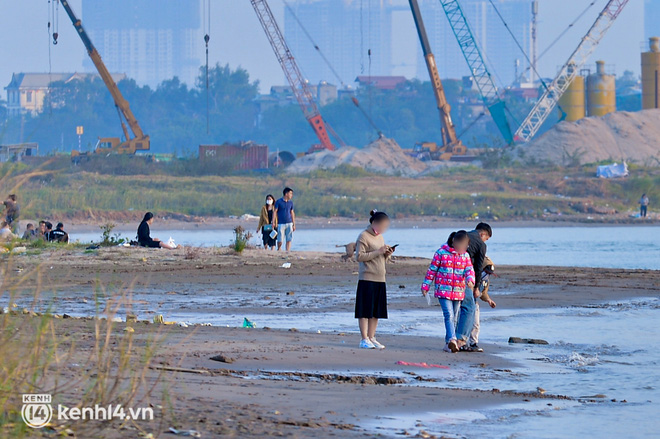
633,247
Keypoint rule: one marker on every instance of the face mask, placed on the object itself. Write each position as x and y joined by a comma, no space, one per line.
269,201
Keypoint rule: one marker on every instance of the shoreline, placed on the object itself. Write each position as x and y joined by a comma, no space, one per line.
219,223
294,382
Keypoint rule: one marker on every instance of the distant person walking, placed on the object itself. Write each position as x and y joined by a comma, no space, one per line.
144,234
450,278
285,216
371,295
268,222
477,251
12,211
643,206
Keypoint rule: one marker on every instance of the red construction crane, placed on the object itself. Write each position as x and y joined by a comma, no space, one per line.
298,84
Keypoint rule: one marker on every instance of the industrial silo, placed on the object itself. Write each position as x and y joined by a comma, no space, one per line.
572,102
650,69
601,92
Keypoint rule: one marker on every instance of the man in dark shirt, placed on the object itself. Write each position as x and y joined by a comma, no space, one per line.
477,251
59,235
286,219
49,230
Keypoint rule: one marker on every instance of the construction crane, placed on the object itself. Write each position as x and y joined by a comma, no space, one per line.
478,69
294,76
110,145
569,70
451,145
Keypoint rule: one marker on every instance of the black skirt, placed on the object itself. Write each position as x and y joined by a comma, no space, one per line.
371,300
268,241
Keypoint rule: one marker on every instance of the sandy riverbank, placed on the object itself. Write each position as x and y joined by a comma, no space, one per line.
296,383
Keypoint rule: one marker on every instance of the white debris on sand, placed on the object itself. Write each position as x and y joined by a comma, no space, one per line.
633,137
382,156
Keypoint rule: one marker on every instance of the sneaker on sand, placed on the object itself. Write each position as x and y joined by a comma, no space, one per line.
377,344
475,348
367,344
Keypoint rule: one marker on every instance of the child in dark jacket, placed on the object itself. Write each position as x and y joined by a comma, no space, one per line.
450,272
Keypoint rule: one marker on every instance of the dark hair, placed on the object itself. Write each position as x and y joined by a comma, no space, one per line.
49,225
270,196
455,237
287,190
12,197
483,227
42,222
60,225
30,225
377,216
147,217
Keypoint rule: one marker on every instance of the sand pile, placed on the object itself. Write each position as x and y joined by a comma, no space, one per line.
383,156
634,137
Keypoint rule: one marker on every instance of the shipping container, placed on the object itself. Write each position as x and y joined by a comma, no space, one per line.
243,156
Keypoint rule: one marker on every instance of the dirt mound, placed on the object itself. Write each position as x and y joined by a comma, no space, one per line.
634,137
383,156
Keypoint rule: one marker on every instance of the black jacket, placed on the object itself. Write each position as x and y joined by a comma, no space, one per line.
477,251
144,234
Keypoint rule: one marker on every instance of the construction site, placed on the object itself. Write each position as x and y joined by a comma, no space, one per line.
570,118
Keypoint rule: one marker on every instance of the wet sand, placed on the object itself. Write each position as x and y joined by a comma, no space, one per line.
295,383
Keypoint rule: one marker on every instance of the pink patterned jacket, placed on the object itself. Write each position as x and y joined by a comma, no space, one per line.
449,272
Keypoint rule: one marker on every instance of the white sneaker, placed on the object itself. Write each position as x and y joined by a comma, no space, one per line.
377,344
367,344
446,348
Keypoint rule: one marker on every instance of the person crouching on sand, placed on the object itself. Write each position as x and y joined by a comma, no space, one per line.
371,295
449,273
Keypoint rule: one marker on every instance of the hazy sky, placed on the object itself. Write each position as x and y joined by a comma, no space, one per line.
237,38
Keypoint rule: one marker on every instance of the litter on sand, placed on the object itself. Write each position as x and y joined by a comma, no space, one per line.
248,324
189,433
286,265
425,365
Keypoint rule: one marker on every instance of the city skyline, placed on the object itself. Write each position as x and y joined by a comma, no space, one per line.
234,22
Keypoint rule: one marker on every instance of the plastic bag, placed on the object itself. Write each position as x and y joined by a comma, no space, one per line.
171,243
428,298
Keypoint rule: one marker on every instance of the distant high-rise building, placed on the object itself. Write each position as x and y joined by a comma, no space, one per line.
355,36
499,49
651,19
149,40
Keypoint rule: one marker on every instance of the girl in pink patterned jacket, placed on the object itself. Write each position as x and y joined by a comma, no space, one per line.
449,273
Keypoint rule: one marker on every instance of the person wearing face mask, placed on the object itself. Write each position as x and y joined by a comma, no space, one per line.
371,296
268,222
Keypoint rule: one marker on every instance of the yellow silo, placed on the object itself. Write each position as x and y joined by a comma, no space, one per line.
572,102
601,92
650,75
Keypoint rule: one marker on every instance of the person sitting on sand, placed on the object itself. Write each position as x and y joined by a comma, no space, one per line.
30,233
449,274
268,222
6,235
42,233
144,234
59,235
49,230
371,295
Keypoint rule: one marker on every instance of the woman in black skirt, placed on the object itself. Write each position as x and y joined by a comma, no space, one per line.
371,297
267,222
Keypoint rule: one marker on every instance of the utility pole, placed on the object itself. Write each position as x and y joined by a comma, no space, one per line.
535,48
